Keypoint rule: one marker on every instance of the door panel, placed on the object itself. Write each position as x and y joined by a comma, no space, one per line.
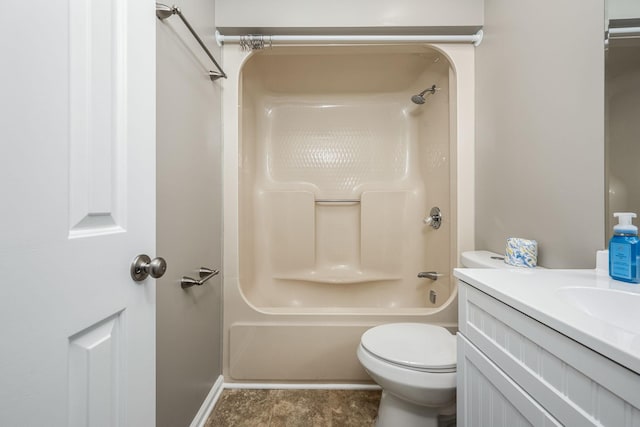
97,122
77,160
96,373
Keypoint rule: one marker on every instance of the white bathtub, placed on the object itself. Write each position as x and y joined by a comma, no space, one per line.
330,170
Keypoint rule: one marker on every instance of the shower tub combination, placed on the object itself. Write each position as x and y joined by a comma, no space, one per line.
329,176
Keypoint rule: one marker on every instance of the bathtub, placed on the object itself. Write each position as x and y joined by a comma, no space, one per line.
330,170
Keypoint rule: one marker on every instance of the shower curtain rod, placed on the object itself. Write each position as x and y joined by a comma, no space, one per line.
163,12
621,35
259,41
622,32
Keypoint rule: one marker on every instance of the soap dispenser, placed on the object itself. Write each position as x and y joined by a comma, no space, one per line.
624,249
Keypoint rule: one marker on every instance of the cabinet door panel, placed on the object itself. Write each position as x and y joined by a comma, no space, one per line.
487,397
575,384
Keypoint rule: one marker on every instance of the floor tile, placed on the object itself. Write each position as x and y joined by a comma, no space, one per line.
242,408
295,408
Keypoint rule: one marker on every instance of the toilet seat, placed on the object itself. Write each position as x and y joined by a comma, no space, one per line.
416,346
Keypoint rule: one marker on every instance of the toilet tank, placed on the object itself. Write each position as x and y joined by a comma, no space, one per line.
484,259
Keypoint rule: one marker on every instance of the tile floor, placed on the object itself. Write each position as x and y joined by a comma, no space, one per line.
295,408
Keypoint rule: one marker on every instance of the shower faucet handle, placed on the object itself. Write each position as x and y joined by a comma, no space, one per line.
434,219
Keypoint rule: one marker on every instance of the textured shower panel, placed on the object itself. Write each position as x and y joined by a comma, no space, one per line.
337,149
342,230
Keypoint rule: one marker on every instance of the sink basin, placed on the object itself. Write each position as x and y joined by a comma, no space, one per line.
617,308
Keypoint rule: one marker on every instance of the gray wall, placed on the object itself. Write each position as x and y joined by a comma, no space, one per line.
540,128
189,205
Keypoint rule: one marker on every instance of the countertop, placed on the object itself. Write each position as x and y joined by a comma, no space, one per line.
535,293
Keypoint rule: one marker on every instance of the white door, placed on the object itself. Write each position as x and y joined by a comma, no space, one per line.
77,154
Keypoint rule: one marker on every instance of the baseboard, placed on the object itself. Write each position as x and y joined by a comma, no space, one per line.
302,386
209,402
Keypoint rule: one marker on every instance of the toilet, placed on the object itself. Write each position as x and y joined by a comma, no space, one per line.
415,364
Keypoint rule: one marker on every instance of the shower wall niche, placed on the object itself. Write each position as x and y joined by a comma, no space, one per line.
337,170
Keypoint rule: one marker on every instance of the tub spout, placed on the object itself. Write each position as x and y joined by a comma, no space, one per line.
429,275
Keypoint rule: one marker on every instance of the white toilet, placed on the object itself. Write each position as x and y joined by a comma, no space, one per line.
415,364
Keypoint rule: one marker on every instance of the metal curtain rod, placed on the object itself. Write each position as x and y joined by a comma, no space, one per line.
624,32
621,35
259,41
163,12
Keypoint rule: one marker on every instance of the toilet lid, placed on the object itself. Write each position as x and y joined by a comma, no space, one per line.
414,345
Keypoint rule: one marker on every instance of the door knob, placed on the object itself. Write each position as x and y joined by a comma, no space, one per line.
143,266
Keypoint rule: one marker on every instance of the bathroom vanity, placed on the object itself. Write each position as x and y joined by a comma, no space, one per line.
547,347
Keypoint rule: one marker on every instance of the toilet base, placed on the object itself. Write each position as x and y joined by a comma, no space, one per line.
394,412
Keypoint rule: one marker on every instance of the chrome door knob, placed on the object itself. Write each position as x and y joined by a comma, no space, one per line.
143,266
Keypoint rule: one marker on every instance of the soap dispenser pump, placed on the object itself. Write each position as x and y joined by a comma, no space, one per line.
624,249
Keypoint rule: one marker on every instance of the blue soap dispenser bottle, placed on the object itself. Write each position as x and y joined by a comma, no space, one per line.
624,249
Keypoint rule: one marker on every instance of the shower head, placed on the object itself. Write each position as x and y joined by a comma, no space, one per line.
419,98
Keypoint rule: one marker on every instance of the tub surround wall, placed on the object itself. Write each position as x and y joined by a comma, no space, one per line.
270,335
540,133
341,172
189,323
354,16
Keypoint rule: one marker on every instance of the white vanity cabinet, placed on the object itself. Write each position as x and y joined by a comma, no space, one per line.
514,370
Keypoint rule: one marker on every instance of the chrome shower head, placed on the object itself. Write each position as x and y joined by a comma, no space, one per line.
419,98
